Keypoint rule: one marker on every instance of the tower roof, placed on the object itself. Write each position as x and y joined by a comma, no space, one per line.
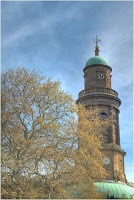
115,190
97,60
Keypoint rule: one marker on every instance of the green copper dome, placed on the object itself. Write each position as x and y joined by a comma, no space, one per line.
97,60
109,189
115,190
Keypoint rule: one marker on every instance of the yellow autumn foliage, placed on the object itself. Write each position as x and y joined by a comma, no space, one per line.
51,147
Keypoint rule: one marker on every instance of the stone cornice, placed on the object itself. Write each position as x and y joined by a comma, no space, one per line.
113,148
100,98
98,90
97,66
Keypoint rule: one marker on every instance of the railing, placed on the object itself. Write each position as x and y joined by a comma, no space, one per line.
98,90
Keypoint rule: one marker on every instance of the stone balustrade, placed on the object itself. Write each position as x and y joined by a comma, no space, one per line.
98,90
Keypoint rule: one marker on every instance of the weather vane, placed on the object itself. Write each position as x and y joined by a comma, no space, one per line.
96,40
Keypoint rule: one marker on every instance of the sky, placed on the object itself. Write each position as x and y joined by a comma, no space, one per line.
56,38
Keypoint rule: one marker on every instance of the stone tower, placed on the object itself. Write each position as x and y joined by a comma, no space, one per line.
98,92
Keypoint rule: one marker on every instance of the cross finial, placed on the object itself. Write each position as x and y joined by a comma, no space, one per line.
96,40
97,51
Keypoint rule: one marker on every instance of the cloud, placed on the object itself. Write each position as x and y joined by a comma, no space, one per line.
46,23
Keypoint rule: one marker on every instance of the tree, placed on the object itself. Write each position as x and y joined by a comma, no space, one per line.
89,157
46,151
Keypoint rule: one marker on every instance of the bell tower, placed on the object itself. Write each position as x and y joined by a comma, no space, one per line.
98,92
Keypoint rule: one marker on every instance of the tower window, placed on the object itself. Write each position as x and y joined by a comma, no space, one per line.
114,117
103,115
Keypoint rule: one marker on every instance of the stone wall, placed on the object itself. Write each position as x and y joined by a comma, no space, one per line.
98,92
92,78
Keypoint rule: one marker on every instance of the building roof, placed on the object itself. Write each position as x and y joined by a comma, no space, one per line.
97,60
112,190
115,190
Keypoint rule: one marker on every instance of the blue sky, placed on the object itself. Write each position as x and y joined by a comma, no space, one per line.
57,39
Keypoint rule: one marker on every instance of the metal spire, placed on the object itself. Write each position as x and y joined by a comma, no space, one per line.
97,51
96,40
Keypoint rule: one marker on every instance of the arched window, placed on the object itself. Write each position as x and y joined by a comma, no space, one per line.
103,115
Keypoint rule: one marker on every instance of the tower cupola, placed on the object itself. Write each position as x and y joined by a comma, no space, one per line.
97,71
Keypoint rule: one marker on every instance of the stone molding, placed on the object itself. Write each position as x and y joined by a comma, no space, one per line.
99,99
98,65
114,148
99,90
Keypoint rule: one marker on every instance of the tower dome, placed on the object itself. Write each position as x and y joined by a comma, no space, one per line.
97,60
115,190
109,190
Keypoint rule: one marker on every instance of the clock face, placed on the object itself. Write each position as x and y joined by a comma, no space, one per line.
101,76
106,161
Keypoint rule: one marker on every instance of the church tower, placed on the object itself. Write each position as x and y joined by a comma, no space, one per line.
98,92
